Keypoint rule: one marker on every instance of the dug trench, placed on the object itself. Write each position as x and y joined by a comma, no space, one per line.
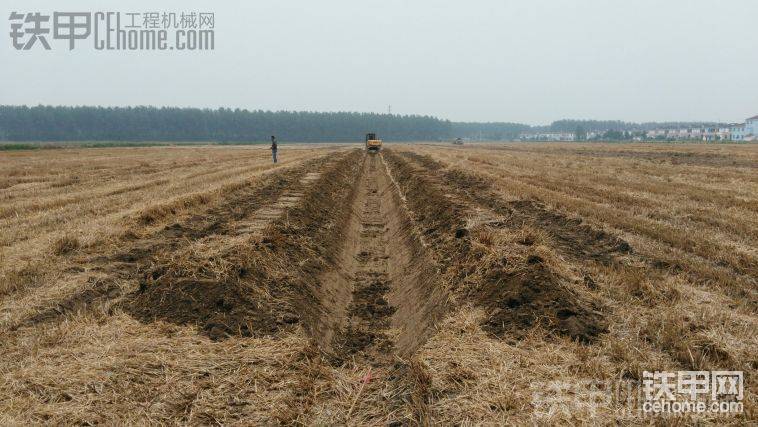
340,258
408,257
392,276
365,253
327,245
365,260
389,301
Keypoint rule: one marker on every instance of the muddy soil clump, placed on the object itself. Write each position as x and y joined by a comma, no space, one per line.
518,300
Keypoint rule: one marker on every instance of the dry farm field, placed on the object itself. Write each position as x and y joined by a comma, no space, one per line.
426,284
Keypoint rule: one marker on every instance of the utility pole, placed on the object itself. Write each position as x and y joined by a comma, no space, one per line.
389,121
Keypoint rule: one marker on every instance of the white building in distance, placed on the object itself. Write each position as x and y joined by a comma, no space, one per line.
737,132
747,131
751,129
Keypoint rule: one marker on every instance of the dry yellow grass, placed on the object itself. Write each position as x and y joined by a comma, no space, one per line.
80,230
52,198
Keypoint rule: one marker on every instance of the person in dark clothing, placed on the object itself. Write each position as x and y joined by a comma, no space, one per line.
273,147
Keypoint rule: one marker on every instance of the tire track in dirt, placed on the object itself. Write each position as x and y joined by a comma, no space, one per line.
265,215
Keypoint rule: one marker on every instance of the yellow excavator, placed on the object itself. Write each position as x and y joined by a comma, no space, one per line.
373,144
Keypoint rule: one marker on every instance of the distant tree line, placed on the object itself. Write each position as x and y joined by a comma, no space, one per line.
492,131
135,124
44,123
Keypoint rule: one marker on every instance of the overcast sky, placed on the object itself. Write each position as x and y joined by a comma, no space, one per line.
477,60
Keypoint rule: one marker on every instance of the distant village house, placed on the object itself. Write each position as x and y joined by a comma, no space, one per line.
747,131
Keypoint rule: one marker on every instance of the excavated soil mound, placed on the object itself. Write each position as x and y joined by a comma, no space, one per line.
572,236
442,220
255,285
248,303
532,295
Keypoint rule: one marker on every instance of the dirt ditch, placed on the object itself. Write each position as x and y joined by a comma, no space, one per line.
392,277
363,251
381,299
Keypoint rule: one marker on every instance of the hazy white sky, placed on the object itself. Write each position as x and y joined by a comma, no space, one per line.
478,60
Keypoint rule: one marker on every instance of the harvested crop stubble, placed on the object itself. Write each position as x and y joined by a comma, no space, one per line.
487,281
100,216
657,317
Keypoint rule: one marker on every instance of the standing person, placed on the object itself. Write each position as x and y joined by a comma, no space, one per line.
273,147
